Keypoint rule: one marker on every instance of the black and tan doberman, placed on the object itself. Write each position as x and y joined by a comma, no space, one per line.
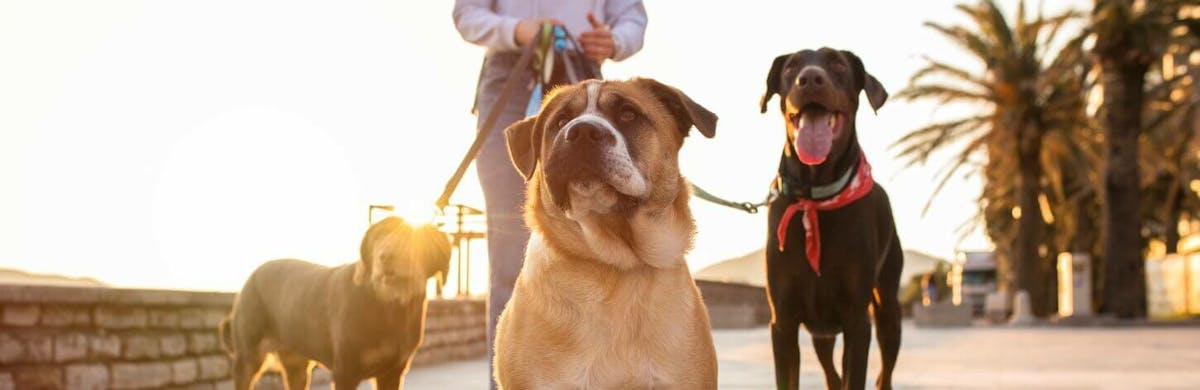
833,255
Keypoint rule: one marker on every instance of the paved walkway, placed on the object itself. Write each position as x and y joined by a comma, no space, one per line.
964,358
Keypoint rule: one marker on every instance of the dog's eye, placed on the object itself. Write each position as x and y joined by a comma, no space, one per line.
839,67
627,114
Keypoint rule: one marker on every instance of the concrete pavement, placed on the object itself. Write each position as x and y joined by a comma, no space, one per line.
960,358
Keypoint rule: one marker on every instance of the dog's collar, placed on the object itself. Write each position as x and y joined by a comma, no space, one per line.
831,189
791,186
859,185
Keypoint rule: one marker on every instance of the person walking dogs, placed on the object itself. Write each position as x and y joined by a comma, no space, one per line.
605,29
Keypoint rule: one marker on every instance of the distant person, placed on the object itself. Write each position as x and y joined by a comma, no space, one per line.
606,29
929,289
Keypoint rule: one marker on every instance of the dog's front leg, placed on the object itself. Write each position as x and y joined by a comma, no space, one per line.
393,379
390,380
823,346
346,378
857,331
785,344
345,382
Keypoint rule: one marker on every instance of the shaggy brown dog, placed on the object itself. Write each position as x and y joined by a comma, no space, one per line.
604,299
361,320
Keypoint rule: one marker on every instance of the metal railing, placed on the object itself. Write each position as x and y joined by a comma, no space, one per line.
467,223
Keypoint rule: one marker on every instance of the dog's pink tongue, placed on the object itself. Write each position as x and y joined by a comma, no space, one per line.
814,137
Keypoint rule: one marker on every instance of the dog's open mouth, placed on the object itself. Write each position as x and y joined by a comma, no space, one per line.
814,128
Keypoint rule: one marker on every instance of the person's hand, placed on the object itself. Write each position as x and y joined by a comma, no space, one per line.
527,29
598,42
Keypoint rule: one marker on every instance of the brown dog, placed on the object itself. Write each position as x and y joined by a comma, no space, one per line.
360,320
604,299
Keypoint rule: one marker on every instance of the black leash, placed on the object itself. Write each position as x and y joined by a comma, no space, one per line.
481,135
523,64
748,207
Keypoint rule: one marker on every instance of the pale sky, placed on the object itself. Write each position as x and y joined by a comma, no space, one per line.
181,144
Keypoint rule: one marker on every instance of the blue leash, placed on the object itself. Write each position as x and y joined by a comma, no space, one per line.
563,45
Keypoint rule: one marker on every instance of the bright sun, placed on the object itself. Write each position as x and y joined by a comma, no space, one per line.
415,212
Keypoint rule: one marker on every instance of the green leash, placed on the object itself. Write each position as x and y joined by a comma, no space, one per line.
748,207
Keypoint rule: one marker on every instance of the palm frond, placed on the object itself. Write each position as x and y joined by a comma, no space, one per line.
966,39
934,68
952,167
919,144
990,20
943,94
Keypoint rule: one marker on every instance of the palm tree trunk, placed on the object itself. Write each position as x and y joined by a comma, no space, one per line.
1084,239
1030,276
1125,283
1172,217
1176,195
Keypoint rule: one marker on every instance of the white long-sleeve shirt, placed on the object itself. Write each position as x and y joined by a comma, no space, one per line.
490,23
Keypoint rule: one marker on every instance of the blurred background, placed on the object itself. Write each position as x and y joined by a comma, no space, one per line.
180,145
1040,157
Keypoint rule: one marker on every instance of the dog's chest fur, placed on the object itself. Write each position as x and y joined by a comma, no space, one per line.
617,329
384,335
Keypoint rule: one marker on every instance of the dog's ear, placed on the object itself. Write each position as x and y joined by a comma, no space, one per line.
686,111
362,270
362,273
524,145
875,92
876,95
431,247
773,81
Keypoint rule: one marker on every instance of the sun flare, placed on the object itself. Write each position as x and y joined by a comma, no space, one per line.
417,212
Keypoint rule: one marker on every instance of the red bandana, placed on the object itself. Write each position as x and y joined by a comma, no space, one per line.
859,186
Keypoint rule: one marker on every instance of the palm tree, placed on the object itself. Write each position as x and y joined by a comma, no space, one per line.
1130,35
1021,97
1170,127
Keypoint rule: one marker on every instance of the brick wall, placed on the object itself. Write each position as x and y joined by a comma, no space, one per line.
95,338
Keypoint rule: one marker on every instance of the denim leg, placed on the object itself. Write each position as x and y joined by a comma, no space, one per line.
504,194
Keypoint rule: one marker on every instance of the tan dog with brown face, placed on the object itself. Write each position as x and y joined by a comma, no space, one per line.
604,299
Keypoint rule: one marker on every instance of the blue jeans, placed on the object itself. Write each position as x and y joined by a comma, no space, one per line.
503,190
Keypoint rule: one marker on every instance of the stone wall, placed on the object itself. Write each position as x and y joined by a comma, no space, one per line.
99,338
96,338
733,305
92,338
454,330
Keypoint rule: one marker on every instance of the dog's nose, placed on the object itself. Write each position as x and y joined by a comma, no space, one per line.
587,133
811,77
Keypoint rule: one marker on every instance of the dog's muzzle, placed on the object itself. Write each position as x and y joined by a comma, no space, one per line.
590,153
